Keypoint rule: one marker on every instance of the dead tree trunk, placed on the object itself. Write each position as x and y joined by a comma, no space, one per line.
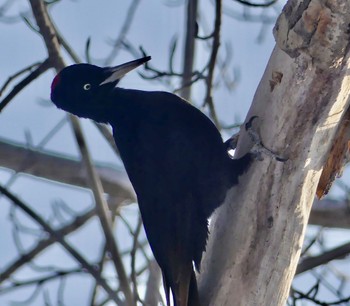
257,237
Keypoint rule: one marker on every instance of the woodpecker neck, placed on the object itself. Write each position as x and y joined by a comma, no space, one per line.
109,107
125,106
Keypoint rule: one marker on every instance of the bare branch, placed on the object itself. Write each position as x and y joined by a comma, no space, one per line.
57,235
62,169
247,17
117,44
43,244
52,44
101,262
133,258
66,46
43,67
330,213
252,4
87,50
315,261
108,136
212,61
275,199
152,296
191,33
298,295
17,74
40,280
102,211
48,33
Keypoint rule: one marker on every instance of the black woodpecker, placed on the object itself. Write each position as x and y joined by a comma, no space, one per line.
175,159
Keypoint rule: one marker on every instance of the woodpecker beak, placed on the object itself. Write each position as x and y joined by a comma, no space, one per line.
118,72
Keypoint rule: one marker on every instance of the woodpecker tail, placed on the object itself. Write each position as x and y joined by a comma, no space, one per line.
185,292
193,297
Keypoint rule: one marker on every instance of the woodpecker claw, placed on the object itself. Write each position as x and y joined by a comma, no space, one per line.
253,134
249,124
258,149
231,143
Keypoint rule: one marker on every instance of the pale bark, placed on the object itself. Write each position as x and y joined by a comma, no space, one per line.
257,236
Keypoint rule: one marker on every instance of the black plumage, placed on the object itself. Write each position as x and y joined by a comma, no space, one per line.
174,156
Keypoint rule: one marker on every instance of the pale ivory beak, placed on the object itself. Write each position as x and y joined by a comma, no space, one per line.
119,71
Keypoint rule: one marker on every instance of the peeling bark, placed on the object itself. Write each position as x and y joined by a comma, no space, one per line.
257,236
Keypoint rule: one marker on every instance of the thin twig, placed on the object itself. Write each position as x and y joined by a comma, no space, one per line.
43,67
212,61
101,262
304,296
60,238
105,131
247,17
52,44
66,46
251,4
191,34
77,223
173,45
101,127
13,284
117,44
17,74
311,243
102,211
140,245
312,262
152,295
134,249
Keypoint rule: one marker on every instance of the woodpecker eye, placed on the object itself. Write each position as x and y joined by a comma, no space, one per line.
87,86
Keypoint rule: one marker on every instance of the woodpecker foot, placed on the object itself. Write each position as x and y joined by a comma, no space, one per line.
258,149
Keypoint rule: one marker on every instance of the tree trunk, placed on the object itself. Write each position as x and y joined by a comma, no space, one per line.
256,239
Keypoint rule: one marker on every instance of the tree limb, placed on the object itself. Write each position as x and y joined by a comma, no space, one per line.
60,169
191,34
43,67
103,212
43,244
63,170
152,296
52,44
312,262
300,101
330,213
58,236
16,75
252,4
117,44
212,62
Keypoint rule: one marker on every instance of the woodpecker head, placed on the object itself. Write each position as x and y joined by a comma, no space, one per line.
83,89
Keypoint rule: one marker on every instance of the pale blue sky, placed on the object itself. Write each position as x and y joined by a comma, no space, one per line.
154,26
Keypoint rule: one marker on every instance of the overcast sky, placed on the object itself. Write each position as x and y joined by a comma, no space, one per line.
31,116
